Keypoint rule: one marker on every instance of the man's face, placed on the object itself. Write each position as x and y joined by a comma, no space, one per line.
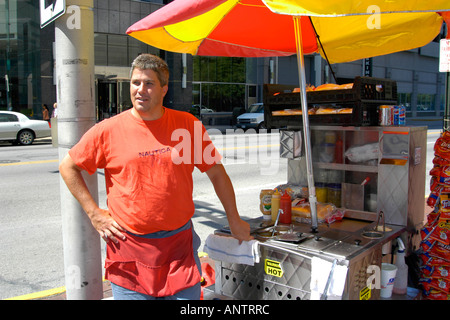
147,94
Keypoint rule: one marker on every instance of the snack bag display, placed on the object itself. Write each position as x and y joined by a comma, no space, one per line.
435,246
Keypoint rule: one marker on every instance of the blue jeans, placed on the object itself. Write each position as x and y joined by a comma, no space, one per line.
120,293
192,293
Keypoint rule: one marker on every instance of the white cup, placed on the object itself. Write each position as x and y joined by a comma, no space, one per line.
388,272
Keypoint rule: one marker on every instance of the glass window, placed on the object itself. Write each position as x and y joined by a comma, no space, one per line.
220,82
6,117
101,49
425,102
220,97
224,69
442,102
135,48
238,70
117,50
196,93
405,100
219,69
3,118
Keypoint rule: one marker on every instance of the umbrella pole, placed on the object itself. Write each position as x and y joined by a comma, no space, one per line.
305,118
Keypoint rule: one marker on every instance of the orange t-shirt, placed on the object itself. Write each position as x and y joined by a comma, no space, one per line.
148,167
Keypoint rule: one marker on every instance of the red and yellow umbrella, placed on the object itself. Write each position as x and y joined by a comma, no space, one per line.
341,30
348,30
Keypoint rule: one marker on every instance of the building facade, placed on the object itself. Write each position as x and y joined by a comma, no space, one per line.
20,55
221,84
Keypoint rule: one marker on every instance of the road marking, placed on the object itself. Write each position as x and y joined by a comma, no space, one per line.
39,295
28,162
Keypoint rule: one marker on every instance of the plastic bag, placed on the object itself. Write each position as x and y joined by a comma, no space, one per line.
363,153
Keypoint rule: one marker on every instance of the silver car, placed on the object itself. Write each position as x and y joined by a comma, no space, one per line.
18,128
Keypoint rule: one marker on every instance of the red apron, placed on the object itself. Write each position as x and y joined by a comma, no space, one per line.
157,267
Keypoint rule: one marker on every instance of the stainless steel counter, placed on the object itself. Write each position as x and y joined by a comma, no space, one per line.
341,242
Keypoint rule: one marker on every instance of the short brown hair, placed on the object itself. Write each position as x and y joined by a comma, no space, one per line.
147,61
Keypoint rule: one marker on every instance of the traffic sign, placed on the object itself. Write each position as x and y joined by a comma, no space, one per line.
51,10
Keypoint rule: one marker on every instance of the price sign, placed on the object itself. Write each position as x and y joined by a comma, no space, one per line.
444,56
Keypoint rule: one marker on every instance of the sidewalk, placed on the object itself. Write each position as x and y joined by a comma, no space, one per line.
430,122
107,291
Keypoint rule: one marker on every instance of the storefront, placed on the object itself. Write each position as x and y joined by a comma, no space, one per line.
20,57
113,97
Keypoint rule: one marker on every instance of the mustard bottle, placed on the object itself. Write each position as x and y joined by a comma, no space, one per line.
265,198
276,196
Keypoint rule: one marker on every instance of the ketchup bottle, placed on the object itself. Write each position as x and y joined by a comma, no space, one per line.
286,206
338,153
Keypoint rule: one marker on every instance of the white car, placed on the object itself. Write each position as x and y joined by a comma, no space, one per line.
18,128
253,118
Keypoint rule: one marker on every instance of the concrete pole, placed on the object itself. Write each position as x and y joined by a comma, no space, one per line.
74,46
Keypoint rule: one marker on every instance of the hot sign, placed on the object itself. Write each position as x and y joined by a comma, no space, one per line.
273,268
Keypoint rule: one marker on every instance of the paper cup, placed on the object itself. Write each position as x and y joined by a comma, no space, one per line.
388,272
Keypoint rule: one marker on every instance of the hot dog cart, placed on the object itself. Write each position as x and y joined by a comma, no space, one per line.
380,171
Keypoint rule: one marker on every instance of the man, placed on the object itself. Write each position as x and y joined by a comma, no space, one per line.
151,244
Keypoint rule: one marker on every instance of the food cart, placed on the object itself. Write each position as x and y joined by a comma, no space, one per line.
380,171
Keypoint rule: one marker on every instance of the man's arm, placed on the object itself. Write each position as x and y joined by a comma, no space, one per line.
225,191
100,219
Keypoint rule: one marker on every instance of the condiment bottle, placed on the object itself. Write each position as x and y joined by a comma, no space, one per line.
275,205
401,278
321,192
338,151
334,194
265,198
286,206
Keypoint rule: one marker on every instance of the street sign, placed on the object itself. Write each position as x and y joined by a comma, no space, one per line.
444,56
367,63
51,10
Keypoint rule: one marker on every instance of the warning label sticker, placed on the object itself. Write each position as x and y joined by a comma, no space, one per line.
365,294
273,268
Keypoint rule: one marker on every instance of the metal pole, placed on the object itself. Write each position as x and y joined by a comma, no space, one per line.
447,102
74,43
306,133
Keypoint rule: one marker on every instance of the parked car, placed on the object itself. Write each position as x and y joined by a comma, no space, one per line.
253,118
198,110
18,128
